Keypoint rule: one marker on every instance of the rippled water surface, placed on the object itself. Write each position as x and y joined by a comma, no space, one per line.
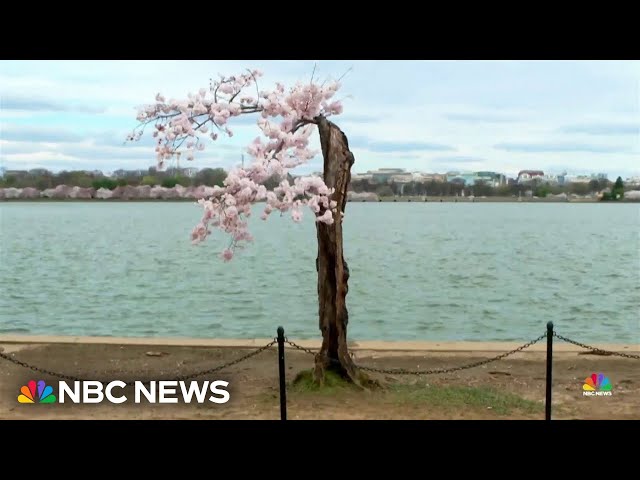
424,271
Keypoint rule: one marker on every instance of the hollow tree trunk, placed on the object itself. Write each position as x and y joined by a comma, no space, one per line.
333,272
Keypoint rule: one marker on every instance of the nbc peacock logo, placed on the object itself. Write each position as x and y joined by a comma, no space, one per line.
597,385
38,392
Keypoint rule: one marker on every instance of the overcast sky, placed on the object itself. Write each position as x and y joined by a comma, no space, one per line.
432,116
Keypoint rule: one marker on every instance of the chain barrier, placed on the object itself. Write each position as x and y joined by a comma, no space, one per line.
403,371
38,369
387,371
228,364
298,347
130,383
596,350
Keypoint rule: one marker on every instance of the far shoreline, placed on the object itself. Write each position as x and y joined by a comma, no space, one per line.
381,200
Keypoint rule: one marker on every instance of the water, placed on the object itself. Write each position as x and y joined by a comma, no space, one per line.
419,271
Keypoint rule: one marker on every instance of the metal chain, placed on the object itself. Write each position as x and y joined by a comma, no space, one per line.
228,364
38,369
403,371
596,350
298,347
130,383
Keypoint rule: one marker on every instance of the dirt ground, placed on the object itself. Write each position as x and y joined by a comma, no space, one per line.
512,388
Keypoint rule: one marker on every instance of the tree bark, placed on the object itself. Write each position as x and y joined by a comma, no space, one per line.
333,272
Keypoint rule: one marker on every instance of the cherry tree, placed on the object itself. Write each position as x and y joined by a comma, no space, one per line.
286,118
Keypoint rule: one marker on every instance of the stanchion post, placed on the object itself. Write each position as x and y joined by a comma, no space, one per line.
547,404
283,385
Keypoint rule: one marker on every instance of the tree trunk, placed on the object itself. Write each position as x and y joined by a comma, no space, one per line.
333,272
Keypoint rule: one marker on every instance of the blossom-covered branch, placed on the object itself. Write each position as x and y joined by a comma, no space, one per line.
286,119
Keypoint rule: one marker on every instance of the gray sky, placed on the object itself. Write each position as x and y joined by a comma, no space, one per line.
578,116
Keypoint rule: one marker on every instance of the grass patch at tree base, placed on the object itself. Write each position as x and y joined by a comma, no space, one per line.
333,383
454,397
440,397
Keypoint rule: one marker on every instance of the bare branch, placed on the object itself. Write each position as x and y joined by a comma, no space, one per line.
345,73
256,82
300,123
251,108
203,123
217,126
236,94
181,142
162,117
313,73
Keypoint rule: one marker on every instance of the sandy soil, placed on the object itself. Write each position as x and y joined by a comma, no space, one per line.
253,384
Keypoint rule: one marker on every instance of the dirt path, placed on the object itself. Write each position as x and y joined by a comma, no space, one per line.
511,388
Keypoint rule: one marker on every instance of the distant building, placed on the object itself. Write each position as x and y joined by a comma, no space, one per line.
632,181
359,177
555,179
420,177
383,175
528,176
17,173
397,175
492,179
466,179
402,178
121,173
578,179
562,178
190,171
434,177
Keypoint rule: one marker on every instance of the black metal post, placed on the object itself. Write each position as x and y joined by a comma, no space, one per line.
547,404
283,385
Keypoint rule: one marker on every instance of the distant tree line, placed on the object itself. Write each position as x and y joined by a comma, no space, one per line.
481,189
43,179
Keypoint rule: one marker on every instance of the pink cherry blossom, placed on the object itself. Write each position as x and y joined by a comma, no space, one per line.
284,117
226,88
296,215
326,217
